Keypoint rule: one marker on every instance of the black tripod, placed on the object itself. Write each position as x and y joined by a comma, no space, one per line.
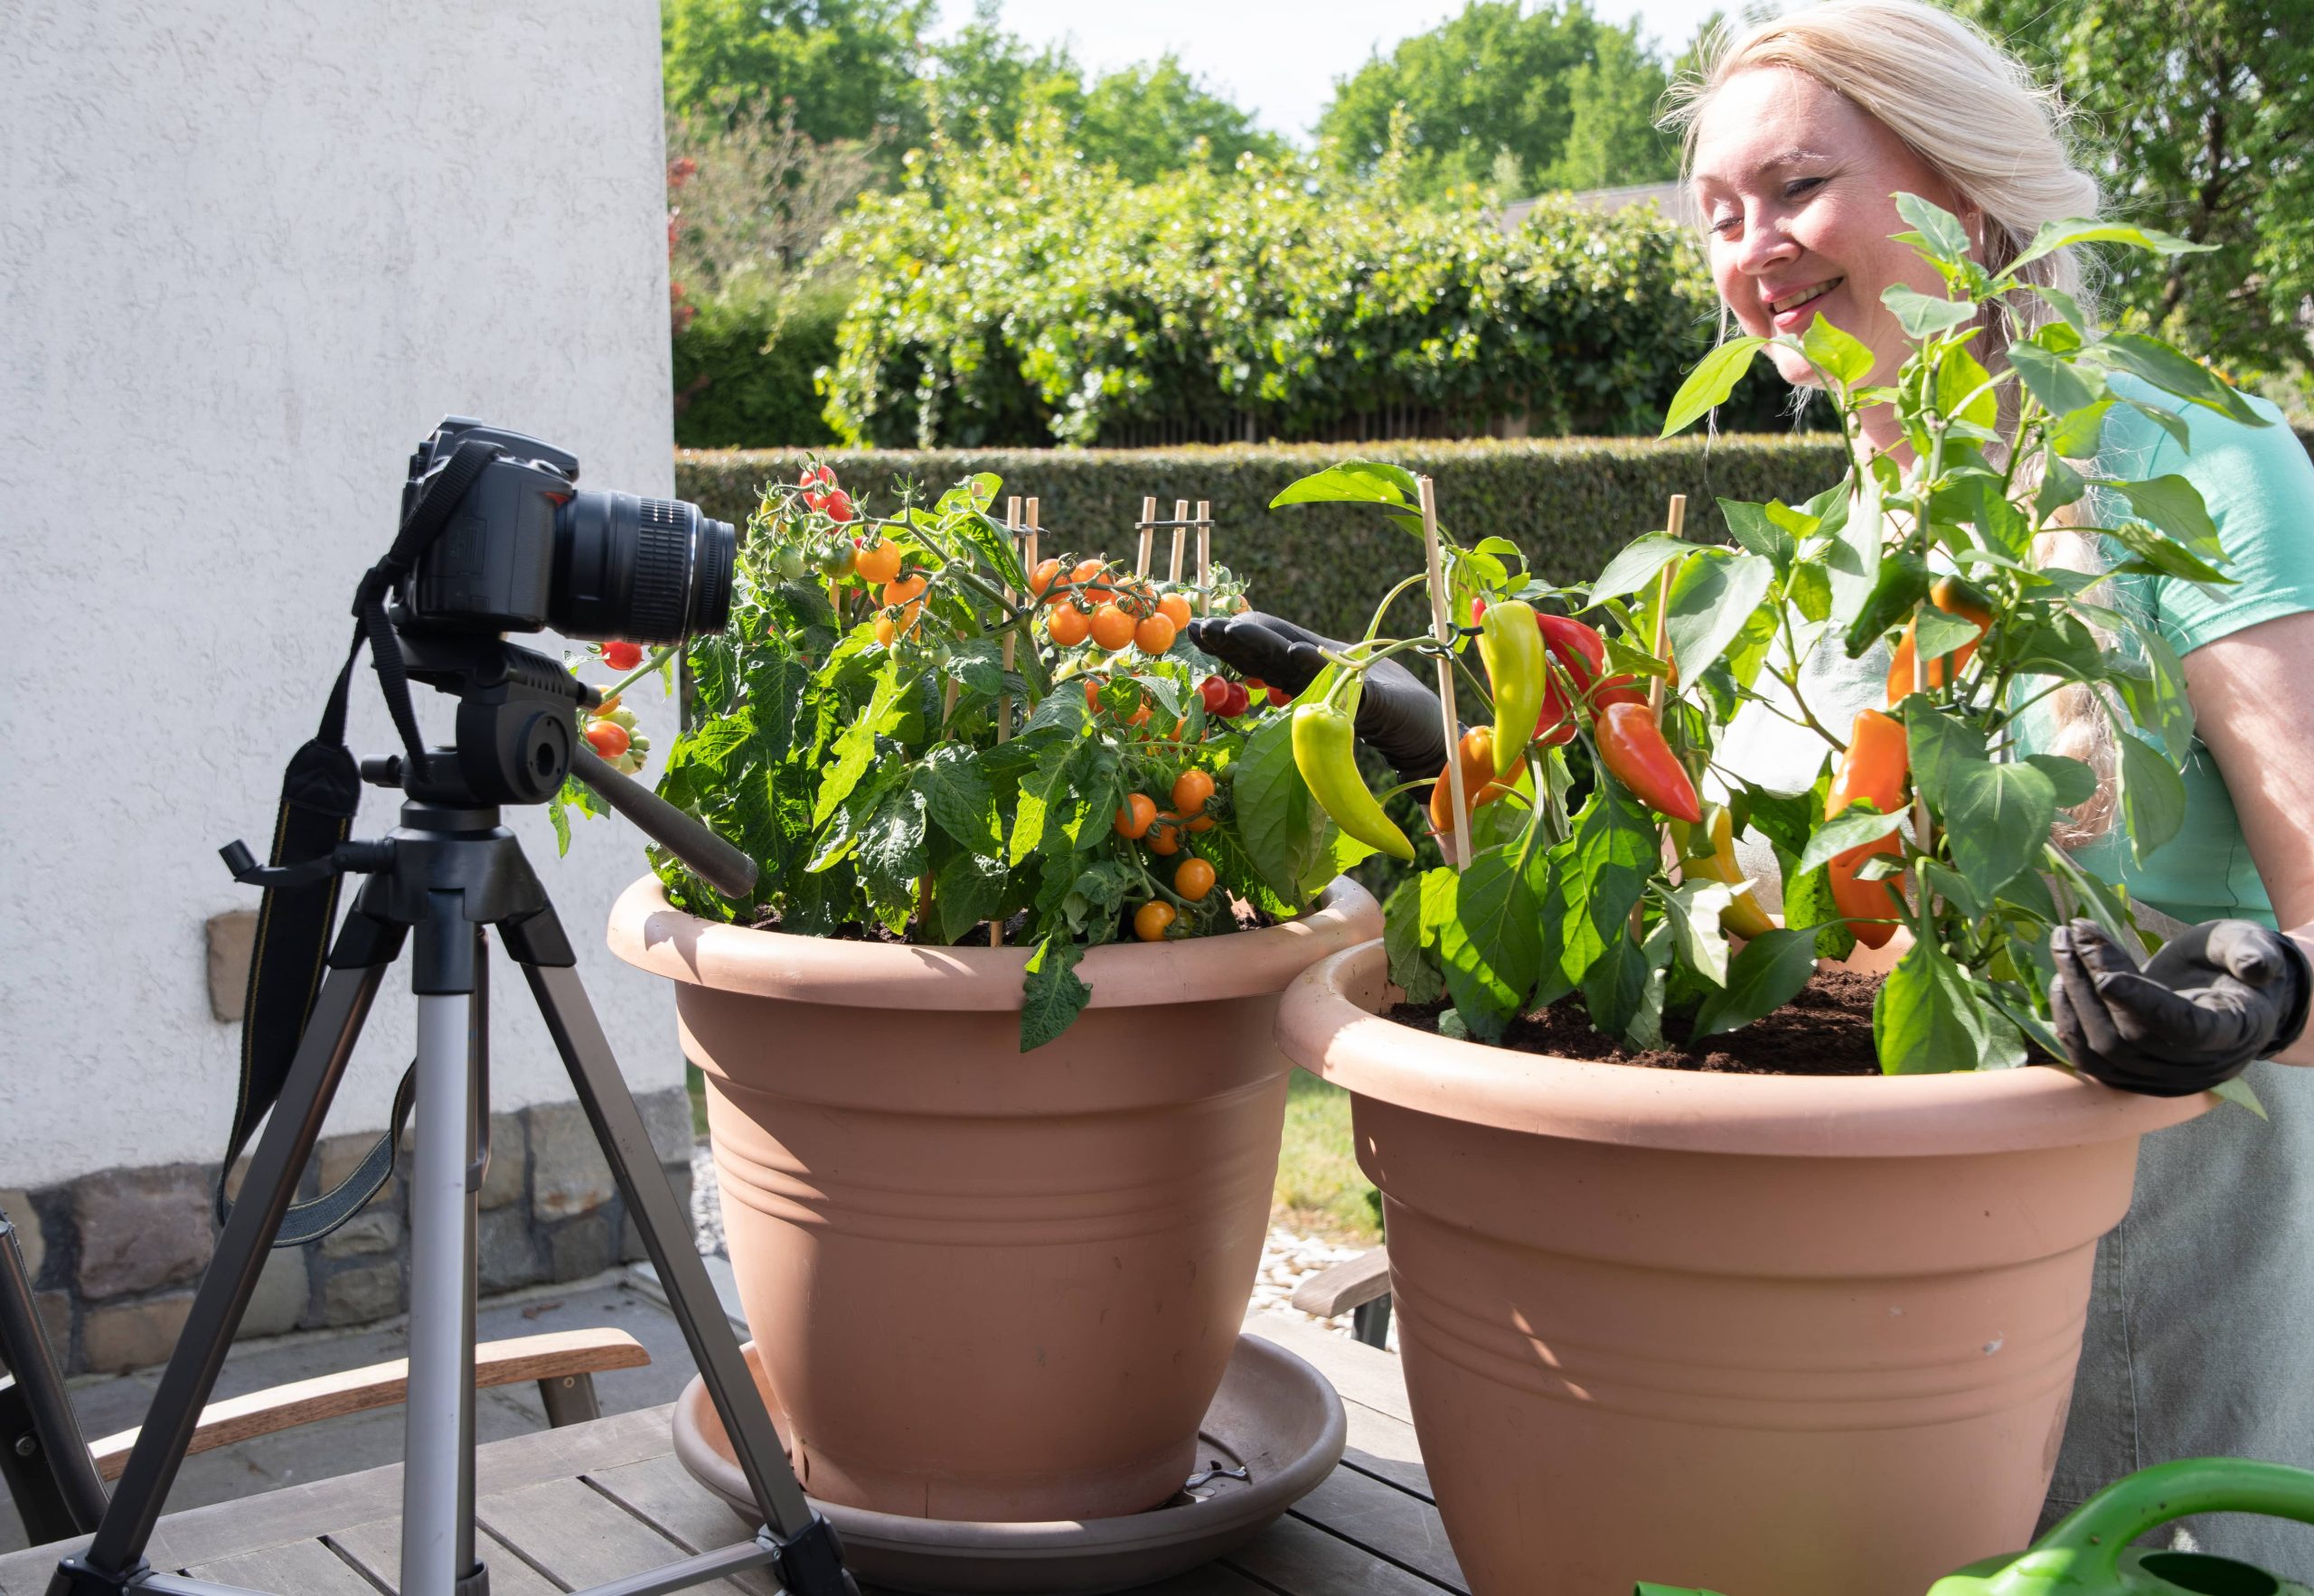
447,872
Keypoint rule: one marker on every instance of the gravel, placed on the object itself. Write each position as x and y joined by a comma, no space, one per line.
1287,1259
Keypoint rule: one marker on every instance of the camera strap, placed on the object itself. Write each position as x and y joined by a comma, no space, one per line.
320,791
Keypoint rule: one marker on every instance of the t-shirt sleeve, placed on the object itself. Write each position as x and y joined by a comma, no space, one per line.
2259,486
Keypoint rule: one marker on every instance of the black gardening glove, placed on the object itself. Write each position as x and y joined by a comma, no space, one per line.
2217,996
1398,717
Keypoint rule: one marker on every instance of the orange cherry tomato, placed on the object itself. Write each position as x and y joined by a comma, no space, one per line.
1193,880
902,589
1088,570
887,630
1112,627
878,562
608,738
1203,823
1041,580
1151,921
1139,814
1174,608
1139,718
1191,788
1153,636
1069,625
1165,832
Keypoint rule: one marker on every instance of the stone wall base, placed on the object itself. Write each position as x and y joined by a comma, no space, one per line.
115,1255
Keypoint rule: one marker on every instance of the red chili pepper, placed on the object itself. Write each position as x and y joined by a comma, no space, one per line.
1633,747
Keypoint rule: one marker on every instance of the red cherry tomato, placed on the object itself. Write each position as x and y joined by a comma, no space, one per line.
1214,692
607,739
1239,701
622,656
838,506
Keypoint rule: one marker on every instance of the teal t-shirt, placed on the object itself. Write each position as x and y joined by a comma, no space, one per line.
2258,485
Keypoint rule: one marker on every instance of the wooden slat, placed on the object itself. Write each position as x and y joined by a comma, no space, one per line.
300,1568
660,1491
580,1536
1385,1447
304,1511
1385,1520
548,1355
1360,1372
1299,1559
1346,1285
1212,1579
375,1548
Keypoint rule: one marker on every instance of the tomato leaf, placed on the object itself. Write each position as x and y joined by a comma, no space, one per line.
966,890
1929,1020
856,748
1491,948
959,797
1713,379
1052,995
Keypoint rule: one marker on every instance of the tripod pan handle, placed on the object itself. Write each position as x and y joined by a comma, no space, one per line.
712,859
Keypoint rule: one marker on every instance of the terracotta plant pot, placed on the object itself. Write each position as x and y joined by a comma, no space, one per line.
989,1285
1773,1336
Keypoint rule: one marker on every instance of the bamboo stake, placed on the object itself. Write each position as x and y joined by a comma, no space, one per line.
1675,521
1443,628
1204,549
1004,700
1173,572
1148,537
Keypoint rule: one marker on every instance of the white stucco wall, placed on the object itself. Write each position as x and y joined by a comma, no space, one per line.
251,251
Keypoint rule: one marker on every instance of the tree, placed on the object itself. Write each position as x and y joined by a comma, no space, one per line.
2200,113
1569,98
987,75
1154,119
848,67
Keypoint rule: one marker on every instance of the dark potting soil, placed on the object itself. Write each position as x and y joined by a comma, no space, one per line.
1826,1030
1249,918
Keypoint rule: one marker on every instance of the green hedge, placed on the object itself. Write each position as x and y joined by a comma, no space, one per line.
1568,502
744,369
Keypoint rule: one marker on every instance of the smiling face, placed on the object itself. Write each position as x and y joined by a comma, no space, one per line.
1797,186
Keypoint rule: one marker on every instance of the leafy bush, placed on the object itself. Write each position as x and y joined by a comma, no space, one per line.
743,366
1017,295
1571,503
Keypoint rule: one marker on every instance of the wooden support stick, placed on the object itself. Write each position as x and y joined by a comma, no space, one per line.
1443,628
1004,701
1675,521
1204,549
1173,571
1148,537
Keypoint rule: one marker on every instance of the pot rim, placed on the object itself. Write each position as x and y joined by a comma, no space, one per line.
650,935
1325,1031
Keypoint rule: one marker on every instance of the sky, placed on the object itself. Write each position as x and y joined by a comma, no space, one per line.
1277,57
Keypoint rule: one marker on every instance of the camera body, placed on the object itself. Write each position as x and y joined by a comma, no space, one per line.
526,548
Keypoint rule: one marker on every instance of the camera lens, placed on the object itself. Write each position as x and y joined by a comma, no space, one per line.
648,570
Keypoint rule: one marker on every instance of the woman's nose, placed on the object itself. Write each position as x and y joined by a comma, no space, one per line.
1765,246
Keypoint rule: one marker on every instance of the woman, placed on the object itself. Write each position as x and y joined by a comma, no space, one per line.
2201,1333
2200,1339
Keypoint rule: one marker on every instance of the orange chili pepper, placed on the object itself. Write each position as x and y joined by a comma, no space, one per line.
1480,787
1954,599
1632,749
1871,772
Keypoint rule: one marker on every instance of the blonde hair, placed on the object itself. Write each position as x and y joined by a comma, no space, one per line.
1975,116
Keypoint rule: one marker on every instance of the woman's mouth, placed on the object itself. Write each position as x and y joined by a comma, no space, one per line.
1790,312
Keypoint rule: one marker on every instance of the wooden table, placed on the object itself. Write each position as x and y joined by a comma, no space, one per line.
567,1508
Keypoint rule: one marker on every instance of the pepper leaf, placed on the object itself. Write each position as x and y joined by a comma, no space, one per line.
1997,818
1841,356
2153,795
1279,823
1751,525
1766,975
1854,558
1853,829
1608,861
1492,947
1636,565
1713,599
1713,379
1929,1020
1353,482
1693,909
1405,939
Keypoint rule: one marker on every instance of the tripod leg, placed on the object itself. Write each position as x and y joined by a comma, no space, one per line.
437,1456
811,1563
358,964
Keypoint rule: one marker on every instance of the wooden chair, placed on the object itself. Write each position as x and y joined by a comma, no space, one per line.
1360,1284
56,1491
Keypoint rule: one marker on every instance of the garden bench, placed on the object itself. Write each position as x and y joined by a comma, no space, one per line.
1362,1284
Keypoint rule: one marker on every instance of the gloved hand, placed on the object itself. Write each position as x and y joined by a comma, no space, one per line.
2216,996
1398,717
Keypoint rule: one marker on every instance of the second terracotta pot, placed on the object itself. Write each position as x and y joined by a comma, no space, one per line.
989,1285
1769,1335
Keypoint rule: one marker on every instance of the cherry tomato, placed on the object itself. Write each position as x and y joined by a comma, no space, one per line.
837,561
1165,832
622,656
1093,691
1041,580
1139,717
1088,570
1256,687
1191,788
1239,701
878,562
887,630
813,475
905,590
1153,636
1112,627
815,501
1193,880
1069,625
1139,814
1279,698
1214,692
607,739
1152,920
838,506
1174,608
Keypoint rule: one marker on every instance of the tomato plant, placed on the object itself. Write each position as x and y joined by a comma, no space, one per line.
917,735
1933,818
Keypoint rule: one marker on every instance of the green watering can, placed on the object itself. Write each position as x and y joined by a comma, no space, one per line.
2089,1553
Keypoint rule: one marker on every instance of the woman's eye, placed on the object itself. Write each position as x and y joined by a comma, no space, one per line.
1723,224
1800,186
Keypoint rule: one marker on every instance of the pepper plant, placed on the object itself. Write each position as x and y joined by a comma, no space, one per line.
1934,814
916,736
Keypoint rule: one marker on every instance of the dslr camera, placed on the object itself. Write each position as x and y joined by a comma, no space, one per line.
526,548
